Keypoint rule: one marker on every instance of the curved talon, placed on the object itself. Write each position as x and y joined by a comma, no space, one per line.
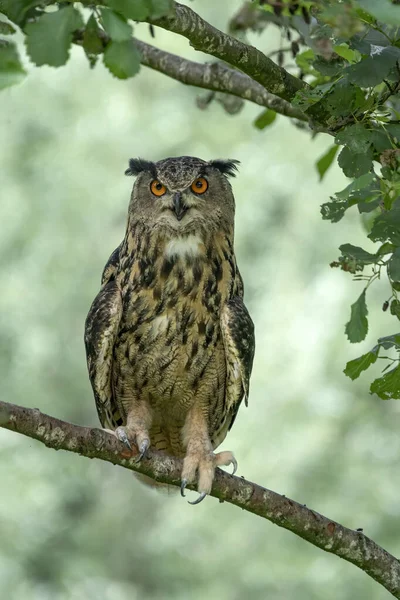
235,465
183,486
199,499
144,446
121,435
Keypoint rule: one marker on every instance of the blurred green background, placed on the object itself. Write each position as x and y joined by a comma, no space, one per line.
72,528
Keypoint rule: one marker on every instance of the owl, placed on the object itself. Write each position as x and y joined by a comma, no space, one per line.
169,340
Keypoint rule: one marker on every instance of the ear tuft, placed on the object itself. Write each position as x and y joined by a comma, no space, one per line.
226,167
138,165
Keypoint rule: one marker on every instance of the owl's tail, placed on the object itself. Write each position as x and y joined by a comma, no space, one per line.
163,488
161,441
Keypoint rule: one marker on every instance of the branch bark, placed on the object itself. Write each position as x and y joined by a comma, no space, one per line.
206,38
320,531
216,77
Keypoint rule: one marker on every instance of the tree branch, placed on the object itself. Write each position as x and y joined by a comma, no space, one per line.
216,77
206,38
324,533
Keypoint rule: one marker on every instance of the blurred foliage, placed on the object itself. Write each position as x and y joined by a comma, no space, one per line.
351,61
72,528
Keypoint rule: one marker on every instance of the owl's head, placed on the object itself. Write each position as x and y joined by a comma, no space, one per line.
182,194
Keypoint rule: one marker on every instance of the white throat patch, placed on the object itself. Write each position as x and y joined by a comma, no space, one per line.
183,246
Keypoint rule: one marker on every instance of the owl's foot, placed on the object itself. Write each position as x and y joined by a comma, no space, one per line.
121,435
139,438
205,465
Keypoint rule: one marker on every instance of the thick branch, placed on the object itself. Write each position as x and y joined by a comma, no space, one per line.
216,77
206,38
328,535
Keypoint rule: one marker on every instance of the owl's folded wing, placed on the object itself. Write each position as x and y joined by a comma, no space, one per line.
110,270
238,336
101,329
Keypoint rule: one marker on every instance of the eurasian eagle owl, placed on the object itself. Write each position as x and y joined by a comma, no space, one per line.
169,341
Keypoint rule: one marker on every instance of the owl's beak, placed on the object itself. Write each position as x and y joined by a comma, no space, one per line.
180,207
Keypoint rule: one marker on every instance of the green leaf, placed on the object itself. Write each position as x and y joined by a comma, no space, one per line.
355,367
344,98
347,53
394,266
361,189
266,118
366,17
11,70
122,59
367,40
388,386
48,39
373,69
383,10
371,205
326,160
394,130
304,99
356,187
361,256
395,308
356,137
387,227
390,341
380,139
329,67
6,28
364,73
17,10
334,210
354,165
92,42
115,25
138,10
357,328
161,8
304,60
386,248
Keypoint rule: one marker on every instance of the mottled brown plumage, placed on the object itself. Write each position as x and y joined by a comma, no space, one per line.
168,338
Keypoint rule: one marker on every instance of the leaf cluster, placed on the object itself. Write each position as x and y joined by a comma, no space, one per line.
355,75
349,54
50,31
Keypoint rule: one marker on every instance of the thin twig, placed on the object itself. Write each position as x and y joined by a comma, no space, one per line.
216,77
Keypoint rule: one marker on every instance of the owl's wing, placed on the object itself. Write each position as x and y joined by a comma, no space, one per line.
101,328
110,270
239,343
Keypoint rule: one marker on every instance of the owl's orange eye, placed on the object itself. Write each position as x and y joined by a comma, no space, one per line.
157,188
200,185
